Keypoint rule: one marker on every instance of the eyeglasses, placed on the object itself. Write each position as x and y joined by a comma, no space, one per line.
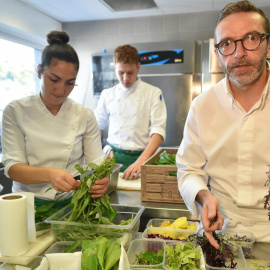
250,42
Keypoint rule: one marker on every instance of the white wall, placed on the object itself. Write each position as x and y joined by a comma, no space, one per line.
20,22
93,36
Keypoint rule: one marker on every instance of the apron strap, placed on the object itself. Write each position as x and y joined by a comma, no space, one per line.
125,157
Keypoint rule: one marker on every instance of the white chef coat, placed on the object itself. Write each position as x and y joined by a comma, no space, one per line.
134,114
34,136
230,147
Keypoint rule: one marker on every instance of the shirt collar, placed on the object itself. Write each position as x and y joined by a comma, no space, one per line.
132,88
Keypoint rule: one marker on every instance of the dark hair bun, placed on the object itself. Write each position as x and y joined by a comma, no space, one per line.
57,37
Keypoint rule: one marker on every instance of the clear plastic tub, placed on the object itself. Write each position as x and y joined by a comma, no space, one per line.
138,246
63,246
200,263
153,230
114,178
238,257
69,231
243,238
25,263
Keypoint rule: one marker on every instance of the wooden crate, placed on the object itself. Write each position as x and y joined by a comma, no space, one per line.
156,183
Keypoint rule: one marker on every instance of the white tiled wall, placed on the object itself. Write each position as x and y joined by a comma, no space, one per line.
94,36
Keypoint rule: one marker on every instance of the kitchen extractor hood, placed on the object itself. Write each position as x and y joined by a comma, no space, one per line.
123,5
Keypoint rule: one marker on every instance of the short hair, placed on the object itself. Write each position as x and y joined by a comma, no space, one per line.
126,54
58,49
243,6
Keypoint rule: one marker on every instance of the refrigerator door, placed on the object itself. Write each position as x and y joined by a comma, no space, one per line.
177,92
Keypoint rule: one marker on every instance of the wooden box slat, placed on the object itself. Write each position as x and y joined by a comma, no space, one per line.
156,183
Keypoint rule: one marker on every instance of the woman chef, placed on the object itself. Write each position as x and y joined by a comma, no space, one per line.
45,135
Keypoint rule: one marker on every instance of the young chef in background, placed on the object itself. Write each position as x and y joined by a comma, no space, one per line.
45,135
136,112
226,138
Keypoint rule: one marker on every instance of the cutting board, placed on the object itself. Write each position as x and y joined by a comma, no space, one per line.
128,184
35,249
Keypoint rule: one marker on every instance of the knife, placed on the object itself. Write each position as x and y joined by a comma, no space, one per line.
81,176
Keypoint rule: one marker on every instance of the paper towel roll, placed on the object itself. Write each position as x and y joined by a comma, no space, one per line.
13,225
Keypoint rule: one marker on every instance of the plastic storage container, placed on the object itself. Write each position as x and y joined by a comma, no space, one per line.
200,263
25,262
61,247
114,178
153,230
138,246
238,257
64,230
243,238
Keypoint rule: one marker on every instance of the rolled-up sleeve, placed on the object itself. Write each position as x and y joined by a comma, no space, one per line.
158,115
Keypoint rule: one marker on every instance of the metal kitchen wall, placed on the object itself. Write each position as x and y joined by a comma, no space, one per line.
179,69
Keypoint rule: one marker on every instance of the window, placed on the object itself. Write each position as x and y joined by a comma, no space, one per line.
18,77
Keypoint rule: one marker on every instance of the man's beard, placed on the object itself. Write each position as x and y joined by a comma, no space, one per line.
245,78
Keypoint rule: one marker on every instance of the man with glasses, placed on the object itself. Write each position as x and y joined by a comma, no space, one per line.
226,139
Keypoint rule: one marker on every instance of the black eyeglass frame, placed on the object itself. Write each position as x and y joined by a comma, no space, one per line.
242,40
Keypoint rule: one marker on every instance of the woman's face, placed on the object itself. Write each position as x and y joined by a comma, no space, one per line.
57,82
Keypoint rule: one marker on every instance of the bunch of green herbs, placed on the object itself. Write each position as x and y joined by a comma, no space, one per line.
222,257
86,209
182,256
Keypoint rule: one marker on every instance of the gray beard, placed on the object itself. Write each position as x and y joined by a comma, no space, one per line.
242,79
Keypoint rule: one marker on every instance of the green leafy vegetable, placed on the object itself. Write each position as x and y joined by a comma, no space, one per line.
42,213
149,257
182,256
73,247
103,253
87,209
166,159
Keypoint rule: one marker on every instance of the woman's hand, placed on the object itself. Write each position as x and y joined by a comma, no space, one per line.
100,187
62,180
211,218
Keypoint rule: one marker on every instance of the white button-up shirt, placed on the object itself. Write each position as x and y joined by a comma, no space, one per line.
32,135
229,147
134,114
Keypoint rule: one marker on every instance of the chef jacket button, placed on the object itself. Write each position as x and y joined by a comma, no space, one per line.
74,128
69,147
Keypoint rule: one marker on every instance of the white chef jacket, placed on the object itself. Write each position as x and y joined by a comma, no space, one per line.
34,136
230,147
134,114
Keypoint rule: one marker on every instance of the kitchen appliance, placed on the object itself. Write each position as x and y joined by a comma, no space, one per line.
181,69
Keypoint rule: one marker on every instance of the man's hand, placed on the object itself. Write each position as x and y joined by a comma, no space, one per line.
133,171
211,218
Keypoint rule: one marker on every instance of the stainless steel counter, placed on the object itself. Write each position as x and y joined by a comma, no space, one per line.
152,209
261,251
